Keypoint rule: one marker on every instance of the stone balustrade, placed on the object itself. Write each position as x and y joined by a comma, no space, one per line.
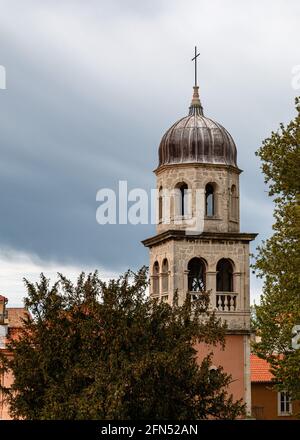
226,301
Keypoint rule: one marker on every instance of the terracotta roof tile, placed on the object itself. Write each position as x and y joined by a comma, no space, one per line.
15,314
260,370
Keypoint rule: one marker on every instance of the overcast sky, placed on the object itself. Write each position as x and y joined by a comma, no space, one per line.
91,88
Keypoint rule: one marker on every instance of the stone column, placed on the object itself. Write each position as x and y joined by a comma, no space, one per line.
211,286
185,284
238,288
151,284
171,283
160,277
247,374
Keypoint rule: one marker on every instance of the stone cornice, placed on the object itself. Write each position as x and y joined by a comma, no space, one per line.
238,332
162,168
181,235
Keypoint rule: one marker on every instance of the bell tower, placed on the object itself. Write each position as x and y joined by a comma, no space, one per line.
198,246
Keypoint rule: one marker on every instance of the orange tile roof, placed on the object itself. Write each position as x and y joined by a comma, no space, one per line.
15,315
260,369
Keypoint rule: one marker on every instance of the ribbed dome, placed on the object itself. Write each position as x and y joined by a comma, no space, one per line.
196,138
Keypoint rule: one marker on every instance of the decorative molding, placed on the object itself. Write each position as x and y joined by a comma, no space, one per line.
177,234
164,167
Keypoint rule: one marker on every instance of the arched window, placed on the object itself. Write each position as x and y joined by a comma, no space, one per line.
160,205
196,276
233,202
165,276
224,276
213,374
155,278
209,200
181,199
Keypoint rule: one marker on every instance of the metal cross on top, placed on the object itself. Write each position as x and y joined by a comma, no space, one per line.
195,59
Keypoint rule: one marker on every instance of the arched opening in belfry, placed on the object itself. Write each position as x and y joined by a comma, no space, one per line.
210,200
196,275
233,202
224,275
155,279
160,205
181,194
165,276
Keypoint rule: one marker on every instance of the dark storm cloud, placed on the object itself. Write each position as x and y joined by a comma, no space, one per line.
92,86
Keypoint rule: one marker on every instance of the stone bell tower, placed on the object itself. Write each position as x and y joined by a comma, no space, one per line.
198,246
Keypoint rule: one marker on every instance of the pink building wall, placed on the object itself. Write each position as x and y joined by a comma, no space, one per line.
232,359
6,380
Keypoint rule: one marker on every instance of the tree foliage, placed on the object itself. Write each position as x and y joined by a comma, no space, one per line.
278,260
98,350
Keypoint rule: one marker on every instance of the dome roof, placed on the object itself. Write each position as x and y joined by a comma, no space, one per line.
197,139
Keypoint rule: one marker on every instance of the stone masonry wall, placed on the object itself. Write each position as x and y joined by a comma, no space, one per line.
180,252
197,176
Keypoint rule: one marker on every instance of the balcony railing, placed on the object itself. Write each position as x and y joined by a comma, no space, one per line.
164,297
3,317
226,301
195,295
258,412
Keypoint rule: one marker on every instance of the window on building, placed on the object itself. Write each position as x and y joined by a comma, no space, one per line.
209,200
233,202
284,404
155,278
182,198
165,276
196,275
224,276
160,205
213,374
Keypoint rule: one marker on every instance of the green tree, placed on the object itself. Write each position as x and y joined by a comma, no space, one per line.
99,350
278,260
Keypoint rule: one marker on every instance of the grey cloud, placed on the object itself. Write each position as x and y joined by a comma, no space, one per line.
80,116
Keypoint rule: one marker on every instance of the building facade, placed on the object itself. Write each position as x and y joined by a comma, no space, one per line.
10,325
267,402
198,246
